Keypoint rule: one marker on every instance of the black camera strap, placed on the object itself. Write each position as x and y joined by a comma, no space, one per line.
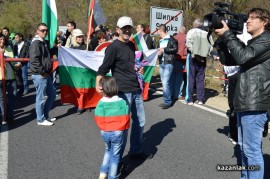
208,36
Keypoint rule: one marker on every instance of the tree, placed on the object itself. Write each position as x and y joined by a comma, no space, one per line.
24,15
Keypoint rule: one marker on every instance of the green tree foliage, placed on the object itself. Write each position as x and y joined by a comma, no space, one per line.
24,15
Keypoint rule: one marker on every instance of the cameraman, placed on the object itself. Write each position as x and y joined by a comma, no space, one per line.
252,97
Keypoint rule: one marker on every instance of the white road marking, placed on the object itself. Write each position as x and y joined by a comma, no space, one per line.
4,152
200,106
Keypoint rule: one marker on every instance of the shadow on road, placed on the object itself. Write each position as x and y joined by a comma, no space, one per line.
224,131
70,111
152,138
19,121
266,166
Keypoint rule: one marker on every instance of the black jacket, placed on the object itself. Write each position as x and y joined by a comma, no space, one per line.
253,87
169,52
24,53
149,42
40,59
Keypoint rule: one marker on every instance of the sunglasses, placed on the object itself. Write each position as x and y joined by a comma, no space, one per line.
43,30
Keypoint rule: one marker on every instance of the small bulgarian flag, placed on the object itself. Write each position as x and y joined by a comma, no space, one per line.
77,74
151,57
139,42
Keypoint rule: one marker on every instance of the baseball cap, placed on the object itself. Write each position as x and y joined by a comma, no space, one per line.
124,21
77,32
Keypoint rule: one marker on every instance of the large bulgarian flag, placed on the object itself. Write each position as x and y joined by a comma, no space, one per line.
77,73
49,17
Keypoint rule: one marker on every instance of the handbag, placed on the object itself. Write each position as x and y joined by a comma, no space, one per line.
18,74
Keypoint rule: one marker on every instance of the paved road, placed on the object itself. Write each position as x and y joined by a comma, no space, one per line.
187,142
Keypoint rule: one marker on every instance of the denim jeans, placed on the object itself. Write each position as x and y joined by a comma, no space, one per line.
166,79
54,77
115,142
45,96
25,77
250,127
11,88
177,79
136,106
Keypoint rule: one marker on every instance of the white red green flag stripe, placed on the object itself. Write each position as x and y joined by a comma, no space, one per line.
49,17
117,118
151,57
139,41
77,73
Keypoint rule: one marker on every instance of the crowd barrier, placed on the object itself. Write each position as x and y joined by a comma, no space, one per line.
3,60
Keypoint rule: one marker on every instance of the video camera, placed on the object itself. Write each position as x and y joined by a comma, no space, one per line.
103,28
221,12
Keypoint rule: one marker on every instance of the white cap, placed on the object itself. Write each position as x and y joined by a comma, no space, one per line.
77,32
123,21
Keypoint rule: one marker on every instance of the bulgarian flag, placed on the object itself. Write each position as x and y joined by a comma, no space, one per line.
77,74
49,17
95,17
139,42
151,57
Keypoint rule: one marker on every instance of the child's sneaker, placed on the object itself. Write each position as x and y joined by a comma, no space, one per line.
102,176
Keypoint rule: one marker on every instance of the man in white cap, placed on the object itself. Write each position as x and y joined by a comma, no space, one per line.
120,59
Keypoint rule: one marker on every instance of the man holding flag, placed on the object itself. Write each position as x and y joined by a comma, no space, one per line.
120,59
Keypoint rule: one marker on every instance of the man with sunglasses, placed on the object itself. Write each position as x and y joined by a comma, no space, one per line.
41,65
120,59
252,93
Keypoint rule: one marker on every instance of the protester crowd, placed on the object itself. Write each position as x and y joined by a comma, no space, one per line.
182,60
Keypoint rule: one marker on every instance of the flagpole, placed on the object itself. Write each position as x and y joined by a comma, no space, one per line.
89,28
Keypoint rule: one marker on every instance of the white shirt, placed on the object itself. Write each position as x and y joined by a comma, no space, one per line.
20,45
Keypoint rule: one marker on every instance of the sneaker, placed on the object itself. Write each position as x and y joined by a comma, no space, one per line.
233,142
102,176
45,123
80,111
184,102
161,105
52,119
182,98
200,103
190,103
166,106
89,110
143,156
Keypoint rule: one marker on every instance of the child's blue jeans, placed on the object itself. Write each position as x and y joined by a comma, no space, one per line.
115,142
